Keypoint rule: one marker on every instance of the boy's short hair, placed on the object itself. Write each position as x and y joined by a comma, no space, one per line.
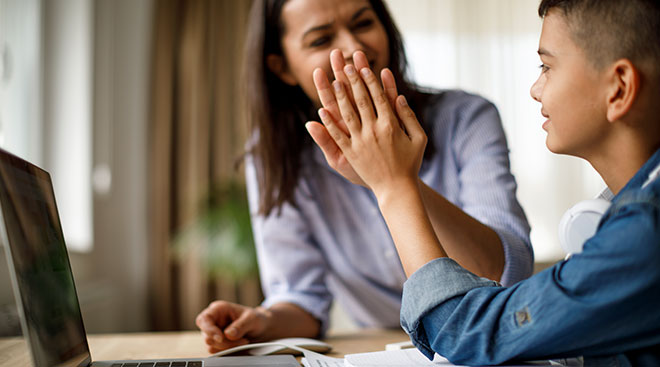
609,30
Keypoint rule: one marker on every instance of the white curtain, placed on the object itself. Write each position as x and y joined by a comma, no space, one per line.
488,47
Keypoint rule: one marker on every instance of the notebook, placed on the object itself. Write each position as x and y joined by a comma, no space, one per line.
43,283
406,358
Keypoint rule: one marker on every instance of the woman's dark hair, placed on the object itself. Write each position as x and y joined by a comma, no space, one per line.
277,112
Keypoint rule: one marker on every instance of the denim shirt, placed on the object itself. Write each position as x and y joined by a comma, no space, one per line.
334,245
602,304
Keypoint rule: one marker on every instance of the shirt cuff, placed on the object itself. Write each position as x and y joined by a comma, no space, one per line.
518,258
318,308
430,286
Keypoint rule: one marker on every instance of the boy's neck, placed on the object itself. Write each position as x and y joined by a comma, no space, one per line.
621,158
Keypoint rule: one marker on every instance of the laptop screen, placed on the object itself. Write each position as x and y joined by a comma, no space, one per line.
39,264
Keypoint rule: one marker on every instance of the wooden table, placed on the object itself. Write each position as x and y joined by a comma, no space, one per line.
185,344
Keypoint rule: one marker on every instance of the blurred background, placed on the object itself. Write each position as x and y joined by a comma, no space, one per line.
133,106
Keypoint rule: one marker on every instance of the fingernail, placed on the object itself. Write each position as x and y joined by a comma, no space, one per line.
364,72
324,114
217,338
402,101
349,69
231,332
337,86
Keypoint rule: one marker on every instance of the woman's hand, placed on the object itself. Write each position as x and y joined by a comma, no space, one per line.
226,325
319,133
380,149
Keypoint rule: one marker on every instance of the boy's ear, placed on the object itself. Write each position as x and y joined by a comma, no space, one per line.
277,65
624,87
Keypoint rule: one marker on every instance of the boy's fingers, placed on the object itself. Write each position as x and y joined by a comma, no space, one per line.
389,85
378,96
327,96
360,95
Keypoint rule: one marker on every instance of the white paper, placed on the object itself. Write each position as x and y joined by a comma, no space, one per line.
394,358
413,357
313,359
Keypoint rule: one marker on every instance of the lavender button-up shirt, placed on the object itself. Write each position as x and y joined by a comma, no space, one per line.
335,243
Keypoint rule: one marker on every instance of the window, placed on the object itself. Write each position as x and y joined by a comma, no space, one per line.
46,100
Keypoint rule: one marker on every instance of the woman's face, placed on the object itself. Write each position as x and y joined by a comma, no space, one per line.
313,28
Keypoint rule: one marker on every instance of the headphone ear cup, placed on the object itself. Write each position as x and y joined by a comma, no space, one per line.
579,224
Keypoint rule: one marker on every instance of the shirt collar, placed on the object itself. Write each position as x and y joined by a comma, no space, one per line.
647,174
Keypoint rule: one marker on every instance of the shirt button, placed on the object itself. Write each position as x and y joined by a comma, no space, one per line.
389,254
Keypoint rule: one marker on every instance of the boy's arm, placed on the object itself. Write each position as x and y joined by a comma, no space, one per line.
601,302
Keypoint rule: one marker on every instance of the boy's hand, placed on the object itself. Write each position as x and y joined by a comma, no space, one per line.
226,325
381,151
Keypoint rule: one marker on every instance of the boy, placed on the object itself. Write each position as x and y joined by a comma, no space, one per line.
600,92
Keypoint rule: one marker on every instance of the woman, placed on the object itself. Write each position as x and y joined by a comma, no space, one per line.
320,237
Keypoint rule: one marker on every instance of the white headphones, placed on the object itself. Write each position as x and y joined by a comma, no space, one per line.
580,222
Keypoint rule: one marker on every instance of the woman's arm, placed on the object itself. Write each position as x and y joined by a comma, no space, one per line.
472,244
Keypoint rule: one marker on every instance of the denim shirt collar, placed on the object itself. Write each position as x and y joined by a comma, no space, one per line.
641,178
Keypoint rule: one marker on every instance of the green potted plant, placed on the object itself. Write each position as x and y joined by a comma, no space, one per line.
221,235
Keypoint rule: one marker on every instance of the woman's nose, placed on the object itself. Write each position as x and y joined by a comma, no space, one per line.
348,44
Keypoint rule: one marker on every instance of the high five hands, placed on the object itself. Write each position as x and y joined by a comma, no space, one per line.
375,146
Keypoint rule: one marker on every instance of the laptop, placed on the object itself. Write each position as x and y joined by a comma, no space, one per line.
43,283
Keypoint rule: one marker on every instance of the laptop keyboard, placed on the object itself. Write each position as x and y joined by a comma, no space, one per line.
160,364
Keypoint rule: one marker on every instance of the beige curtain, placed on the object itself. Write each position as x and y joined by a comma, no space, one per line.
196,133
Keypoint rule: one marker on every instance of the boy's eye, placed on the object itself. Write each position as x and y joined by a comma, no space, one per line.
544,68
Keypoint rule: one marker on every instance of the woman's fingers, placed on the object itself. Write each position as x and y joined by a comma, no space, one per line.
337,134
327,97
337,64
324,140
409,120
389,85
360,95
351,118
360,60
